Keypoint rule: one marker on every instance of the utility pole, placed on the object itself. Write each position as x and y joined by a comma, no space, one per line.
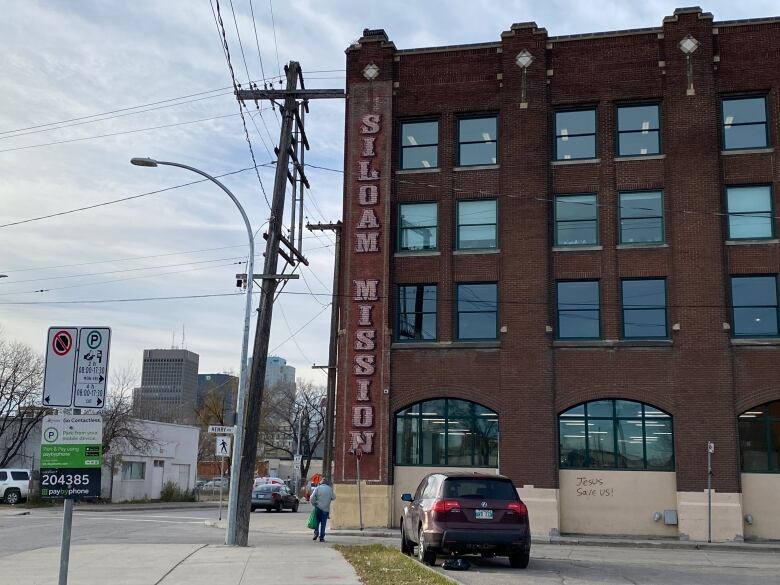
239,514
330,406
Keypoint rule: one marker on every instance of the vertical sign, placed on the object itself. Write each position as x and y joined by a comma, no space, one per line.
60,366
71,456
222,446
92,367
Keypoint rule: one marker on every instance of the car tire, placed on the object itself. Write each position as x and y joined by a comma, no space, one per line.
424,554
519,560
278,507
295,507
407,547
12,496
254,508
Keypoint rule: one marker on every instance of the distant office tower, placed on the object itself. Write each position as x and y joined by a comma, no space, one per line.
277,370
169,386
217,394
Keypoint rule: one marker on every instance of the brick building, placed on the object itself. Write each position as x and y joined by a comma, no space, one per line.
561,263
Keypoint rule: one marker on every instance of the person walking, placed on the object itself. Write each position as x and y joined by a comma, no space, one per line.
321,498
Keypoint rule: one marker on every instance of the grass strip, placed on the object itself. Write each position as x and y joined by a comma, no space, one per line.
379,565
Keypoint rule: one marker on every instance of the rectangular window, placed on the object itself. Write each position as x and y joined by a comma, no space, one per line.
476,225
750,212
416,312
644,308
744,123
641,217
576,220
575,134
477,141
754,306
419,145
133,470
578,309
418,226
477,311
639,130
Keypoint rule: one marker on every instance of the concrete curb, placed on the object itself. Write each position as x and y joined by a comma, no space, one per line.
145,507
215,524
621,543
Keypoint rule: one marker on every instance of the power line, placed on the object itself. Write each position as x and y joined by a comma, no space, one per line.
103,204
299,329
130,300
69,140
257,41
276,45
238,34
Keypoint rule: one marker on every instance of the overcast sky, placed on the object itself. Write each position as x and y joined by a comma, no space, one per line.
68,60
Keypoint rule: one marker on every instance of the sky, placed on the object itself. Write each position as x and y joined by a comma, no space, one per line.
159,69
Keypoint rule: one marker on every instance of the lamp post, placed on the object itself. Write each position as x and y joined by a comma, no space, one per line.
238,437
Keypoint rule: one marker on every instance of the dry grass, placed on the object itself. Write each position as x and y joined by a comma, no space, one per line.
380,565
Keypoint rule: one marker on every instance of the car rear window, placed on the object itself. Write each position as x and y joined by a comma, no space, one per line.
20,476
487,489
268,488
3,476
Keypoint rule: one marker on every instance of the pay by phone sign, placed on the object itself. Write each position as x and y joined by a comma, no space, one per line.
71,456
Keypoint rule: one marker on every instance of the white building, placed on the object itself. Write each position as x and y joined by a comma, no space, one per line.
172,456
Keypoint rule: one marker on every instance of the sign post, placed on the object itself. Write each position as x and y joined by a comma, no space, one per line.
222,450
710,451
358,457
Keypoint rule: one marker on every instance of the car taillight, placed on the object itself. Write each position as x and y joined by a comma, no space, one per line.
444,506
518,508
275,495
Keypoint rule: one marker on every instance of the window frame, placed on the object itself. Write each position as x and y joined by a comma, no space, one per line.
131,465
654,308
734,333
558,311
399,286
476,116
457,312
620,217
618,132
597,207
473,418
767,423
458,226
401,146
722,122
771,211
400,229
555,112
615,423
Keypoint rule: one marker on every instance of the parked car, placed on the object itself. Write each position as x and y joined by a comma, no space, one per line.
273,497
466,513
14,485
268,480
214,484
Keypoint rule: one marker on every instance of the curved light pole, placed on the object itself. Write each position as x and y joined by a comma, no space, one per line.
238,437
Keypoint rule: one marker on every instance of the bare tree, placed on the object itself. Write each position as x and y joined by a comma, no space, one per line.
216,408
288,411
21,379
121,431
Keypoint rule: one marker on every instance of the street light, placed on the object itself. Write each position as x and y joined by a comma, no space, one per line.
238,437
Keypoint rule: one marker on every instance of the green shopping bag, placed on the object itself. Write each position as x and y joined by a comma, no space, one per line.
312,522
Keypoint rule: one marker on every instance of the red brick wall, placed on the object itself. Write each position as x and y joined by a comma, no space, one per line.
700,378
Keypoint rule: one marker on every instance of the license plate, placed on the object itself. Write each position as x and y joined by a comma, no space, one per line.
483,514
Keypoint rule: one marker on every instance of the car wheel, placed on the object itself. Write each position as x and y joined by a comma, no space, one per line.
424,554
519,560
278,507
407,547
12,497
254,508
295,507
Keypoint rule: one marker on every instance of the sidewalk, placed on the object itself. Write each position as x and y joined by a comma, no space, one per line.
86,507
180,564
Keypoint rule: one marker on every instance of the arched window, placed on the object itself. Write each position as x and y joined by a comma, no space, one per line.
446,432
616,434
759,438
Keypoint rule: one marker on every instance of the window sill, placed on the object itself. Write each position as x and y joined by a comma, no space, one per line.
612,343
471,252
417,171
765,341
746,151
411,253
576,248
576,161
445,345
644,246
640,157
476,168
752,242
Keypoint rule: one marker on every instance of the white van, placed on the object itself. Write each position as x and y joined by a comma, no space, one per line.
14,485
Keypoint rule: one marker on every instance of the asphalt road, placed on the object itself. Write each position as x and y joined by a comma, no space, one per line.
550,564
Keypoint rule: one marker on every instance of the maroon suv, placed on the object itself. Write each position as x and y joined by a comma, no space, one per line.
466,513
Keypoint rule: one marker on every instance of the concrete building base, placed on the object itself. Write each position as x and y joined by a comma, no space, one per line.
345,509
726,516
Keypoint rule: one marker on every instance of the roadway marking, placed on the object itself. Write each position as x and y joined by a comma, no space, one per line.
119,519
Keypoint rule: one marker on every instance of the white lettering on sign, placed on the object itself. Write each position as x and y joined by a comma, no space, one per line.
365,290
367,242
368,195
362,389
362,416
365,339
363,440
364,318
